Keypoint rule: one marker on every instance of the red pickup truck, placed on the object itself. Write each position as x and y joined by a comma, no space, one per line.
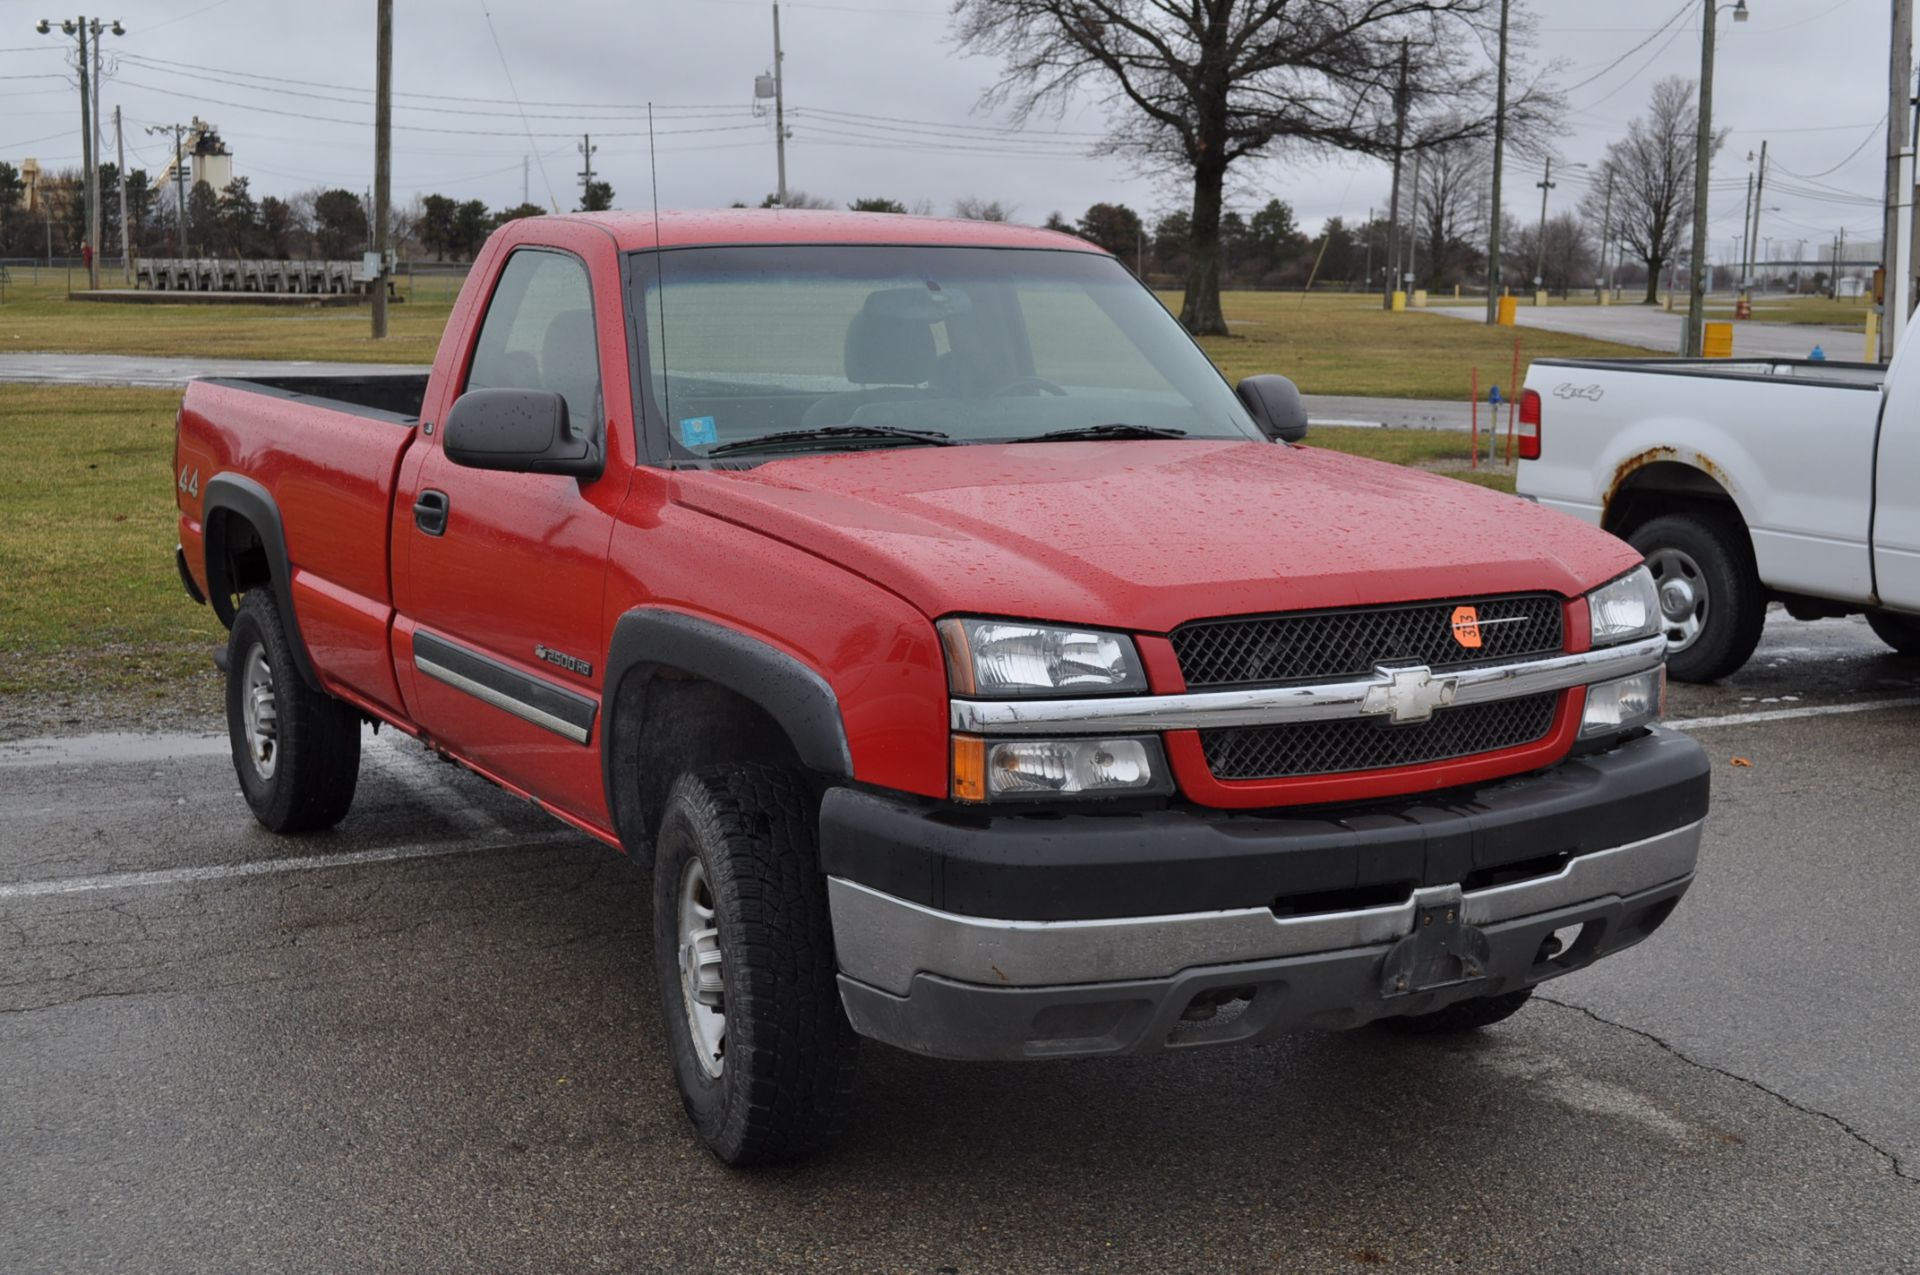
973,668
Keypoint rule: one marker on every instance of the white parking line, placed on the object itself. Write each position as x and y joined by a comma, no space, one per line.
268,867
123,748
1787,714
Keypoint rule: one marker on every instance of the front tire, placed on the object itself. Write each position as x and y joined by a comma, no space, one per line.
296,750
1712,604
1901,632
743,957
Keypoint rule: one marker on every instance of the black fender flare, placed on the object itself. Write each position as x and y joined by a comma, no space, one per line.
242,496
798,699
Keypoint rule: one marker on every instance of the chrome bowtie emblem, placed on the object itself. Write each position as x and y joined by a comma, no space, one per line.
1408,694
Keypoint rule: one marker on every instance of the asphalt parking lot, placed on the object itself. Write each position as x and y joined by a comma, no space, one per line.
427,1041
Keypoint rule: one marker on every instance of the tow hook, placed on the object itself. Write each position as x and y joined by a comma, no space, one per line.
1442,949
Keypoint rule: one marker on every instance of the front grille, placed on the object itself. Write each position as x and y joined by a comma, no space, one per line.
1343,644
1351,744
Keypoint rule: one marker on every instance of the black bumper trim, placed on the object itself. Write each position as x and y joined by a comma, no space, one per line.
1187,859
942,1018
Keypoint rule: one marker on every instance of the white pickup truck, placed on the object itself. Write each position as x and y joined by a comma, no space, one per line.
1743,483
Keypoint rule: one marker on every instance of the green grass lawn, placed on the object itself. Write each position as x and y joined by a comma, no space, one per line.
39,317
1843,312
1345,344
92,605
93,611
1329,344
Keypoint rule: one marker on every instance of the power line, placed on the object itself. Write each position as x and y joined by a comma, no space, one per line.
1685,7
508,71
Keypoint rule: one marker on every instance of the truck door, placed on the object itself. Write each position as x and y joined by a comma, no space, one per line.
1896,489
501,630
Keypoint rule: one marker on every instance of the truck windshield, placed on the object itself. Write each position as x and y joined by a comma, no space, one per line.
906,346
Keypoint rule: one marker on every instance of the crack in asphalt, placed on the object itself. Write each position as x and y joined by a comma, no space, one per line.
1893,1161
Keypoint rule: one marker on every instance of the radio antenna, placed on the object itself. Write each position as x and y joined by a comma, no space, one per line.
659,284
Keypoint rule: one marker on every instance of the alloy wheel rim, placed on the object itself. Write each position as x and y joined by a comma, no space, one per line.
259,713
702,985
1684,600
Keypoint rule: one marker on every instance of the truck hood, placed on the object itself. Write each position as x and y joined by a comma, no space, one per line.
1147,535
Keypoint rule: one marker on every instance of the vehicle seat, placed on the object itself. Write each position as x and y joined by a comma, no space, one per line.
893,357
570,366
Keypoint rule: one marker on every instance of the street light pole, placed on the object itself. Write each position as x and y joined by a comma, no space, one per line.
1702,160
81,29
382,156
779,109
1546,184
1895,244
1499,150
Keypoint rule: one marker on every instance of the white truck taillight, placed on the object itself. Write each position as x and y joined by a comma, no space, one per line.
1529,431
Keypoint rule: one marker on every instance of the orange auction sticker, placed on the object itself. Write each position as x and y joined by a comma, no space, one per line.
1466,627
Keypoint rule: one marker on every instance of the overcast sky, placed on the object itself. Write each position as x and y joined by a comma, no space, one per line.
879,102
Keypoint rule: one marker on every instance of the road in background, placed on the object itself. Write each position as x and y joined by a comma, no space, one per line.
1652,328
428,1040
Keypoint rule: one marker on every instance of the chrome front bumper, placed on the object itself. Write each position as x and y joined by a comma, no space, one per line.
976,987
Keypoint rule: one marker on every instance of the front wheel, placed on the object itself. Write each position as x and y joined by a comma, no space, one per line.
296,750
1712,606
743,957
1901,632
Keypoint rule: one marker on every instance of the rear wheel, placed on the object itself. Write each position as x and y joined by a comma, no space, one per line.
296,750
1461,1016
1712,606
1901,632
743,957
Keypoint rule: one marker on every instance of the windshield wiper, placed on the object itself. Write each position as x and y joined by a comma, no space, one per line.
870,433
1102,431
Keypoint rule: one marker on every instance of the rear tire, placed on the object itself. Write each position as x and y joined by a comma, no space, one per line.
1901,632
1461,1016
1711,599
296,750
760,1046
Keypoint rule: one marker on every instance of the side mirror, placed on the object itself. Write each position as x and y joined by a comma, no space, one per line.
520,431
1275,404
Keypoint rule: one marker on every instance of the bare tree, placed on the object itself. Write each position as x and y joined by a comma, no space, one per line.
1450,209
1203,86
1570,259
1651,169
974,208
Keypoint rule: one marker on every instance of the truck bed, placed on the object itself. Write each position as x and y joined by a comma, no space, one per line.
391,394
1810,371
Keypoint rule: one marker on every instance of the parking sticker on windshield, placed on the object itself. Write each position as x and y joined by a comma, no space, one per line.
695,430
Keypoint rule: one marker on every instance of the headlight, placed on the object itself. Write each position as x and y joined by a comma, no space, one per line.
1000,770
1628,608
990,658
1622,704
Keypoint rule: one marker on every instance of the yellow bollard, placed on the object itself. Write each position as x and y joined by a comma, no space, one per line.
1399,301
1419,298
1509,312
1456,292
1873,337
1716,342
1540,297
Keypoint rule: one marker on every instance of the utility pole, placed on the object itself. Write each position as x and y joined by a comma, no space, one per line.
587,148
179,181
523,179
382,157
1499,150
93,169
120,163
1746,224
779,110
1606,236
1545,184
1369,234
1393,210
90,189
1759,197
1702,159
1895,242
1413,222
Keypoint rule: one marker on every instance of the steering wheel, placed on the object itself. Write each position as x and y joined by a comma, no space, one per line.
1030,383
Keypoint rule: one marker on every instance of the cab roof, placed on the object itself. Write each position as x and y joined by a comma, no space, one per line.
679,228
